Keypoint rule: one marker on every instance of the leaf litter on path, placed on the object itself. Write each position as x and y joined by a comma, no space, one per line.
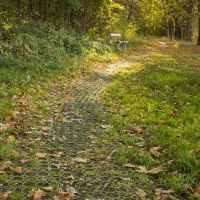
140,193
155,151
36,194
162,194
69,194
80,160
144,170
5,195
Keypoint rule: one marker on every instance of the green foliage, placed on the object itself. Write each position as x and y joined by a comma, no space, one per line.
30,50
40,45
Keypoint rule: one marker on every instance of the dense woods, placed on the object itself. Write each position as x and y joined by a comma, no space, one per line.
173,18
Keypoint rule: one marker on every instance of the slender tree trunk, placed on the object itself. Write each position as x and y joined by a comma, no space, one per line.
198,41
181,29
130,11
19,4
168,28
85,16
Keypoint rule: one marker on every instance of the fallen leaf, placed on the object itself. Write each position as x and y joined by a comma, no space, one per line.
3,127
4,166
41,155
109,157
134,130
46,128
24,161
140,193
142,169
129,165
164,194
198,189
17,170
68,195
156,170
107,127
48,189
39,194
80,160
189,188
92,137
5,195
56,155
155,151
70,180
170,162
11,138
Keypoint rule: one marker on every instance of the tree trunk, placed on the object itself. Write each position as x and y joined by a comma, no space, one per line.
198,40
130,11
85,16
182,31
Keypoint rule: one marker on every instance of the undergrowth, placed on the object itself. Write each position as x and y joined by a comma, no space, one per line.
31,50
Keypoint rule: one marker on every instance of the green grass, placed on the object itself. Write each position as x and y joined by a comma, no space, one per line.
161,95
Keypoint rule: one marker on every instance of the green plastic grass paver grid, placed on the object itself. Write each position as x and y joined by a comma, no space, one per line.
93,180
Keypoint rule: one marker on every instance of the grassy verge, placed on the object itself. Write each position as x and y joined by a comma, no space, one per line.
156,118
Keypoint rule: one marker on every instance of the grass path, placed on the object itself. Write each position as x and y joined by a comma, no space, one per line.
69,150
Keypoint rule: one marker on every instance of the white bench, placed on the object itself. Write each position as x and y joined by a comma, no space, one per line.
123,44
115,39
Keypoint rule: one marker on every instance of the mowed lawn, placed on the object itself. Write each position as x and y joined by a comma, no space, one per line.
155,112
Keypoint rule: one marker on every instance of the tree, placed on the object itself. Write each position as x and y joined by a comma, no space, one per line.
198,40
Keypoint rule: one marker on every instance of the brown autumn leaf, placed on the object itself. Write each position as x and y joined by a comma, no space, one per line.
70,180
129,165
164,194
109,157
5,195
8,119
134,130
80,160
156,170
48,189
24,161
107,127
155,151
11,138
69,194
41,155
189,188
170,162
39,194
17,170
140,193
142,169
4,166
46,128
198,189
56,155
3,127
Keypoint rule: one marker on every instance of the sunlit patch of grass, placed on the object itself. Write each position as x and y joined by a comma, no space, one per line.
5,107
3,177
174,181
120,157
163,97
145,159
7,151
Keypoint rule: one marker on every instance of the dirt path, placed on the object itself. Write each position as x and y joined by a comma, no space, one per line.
74,154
